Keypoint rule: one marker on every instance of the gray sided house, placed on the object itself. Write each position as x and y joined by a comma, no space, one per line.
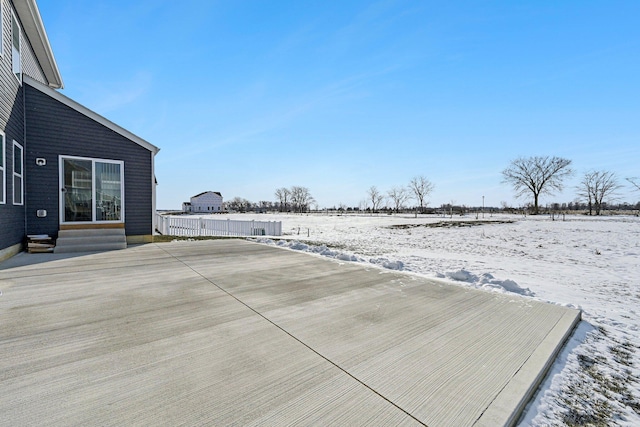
62,166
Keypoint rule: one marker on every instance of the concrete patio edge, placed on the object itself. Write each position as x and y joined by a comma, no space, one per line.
532,374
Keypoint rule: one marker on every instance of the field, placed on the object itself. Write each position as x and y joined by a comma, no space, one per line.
592,263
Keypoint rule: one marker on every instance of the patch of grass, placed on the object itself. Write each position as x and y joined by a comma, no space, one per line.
588,362
589,397
598,418
583,410
632,402
601,390
622,353
602,331
449,224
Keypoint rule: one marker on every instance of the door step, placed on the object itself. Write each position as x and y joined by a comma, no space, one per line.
90,240
39,243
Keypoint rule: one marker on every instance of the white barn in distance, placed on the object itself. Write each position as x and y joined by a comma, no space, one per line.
207,202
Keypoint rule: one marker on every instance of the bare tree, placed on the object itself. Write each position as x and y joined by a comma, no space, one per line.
421,188
596,186
266,205
238,204
585,189
537,175
606,189
399,196
301,198
635,182
375,197
283,195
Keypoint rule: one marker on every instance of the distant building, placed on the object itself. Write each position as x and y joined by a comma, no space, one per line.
207,202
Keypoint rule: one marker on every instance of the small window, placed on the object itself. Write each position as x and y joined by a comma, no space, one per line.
3,173
18,181
1,24
15,55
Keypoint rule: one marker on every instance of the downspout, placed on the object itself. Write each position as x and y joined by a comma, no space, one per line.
154,185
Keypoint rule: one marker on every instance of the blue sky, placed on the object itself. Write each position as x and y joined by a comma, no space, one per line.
244,97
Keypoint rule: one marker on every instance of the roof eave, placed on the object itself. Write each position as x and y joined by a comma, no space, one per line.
33,27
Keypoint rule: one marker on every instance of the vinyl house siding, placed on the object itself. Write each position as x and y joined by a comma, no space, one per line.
12,231
56,129
208,202
30,65
13,216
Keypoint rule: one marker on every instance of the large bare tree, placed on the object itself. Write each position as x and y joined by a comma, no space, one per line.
537,175
635,182
283,194
375,197
301,198
596,187
399,196
421,188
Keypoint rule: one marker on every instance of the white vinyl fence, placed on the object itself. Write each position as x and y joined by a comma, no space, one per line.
194,226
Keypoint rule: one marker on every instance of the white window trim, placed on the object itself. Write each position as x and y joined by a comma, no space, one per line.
3,169
20,175
93,188
13,65
1,26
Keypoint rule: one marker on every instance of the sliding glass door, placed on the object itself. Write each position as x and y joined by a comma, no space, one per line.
91,190
108,194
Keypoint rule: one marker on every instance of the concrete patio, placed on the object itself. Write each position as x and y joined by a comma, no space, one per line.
230,332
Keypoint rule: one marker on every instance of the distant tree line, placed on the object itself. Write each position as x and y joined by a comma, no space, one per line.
418,189
293,199
538,175
531,177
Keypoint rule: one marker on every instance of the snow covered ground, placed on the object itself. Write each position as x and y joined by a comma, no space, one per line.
585,262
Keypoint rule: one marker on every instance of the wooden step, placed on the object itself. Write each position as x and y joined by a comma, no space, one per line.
39,243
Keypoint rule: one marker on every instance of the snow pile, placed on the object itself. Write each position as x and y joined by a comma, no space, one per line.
323,250
487,281
386,263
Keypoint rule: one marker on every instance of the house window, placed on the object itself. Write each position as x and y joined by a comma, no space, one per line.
18,163
1,25
3,173
15,56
